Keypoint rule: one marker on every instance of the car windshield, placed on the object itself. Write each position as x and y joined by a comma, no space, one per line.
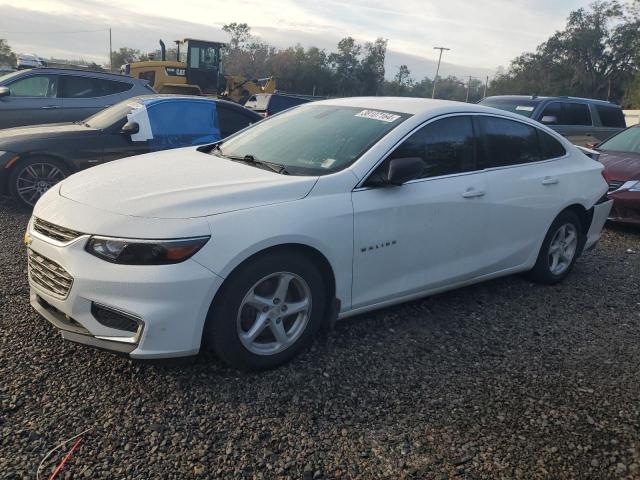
521,107
626,141
312,139
109,116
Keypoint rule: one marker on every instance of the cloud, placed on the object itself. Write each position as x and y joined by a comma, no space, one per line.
481,35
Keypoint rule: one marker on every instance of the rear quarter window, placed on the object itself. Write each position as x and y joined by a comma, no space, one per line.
611,116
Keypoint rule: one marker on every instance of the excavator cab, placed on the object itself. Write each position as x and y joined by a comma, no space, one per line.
203,65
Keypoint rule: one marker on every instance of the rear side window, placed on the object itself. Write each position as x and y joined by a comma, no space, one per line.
119,87
506,142
86,87
611,116
445,146
575,114
35,86
231,121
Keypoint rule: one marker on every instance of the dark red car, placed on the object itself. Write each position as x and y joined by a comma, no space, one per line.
621,158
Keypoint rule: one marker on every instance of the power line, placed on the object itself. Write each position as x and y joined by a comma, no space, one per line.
2,32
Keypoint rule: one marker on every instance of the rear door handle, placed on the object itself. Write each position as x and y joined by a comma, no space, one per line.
50,107
550,181
473,193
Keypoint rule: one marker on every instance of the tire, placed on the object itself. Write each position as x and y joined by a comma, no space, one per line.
555,262
45,172
235,314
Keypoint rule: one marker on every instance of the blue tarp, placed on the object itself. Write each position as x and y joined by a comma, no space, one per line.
178,123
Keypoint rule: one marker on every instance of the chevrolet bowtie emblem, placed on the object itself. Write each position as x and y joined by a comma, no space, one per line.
27,239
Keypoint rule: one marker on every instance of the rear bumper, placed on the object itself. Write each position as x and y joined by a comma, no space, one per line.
600,214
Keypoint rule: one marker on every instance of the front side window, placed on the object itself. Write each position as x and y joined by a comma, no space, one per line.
116,114
205,58
44,86
626,141
507,142
313,139
445,146
85,87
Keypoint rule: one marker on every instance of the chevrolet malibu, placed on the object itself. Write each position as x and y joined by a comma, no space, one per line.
250,245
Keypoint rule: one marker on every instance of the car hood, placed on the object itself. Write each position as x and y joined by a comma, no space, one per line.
621,165
181,183
58,130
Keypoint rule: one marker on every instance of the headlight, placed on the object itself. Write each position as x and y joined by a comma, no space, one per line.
635,187
144,252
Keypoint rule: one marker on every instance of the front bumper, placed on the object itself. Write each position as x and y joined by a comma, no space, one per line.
169,302
626,207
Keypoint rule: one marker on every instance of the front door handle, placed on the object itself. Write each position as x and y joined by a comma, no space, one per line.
473,193
50,107
550,181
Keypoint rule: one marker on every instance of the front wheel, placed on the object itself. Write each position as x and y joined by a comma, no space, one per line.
559,250
32,177
267,311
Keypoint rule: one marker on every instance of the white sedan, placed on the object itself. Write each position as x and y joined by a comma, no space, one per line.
328,210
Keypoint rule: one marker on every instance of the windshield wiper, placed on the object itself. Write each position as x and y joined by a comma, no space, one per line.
251,160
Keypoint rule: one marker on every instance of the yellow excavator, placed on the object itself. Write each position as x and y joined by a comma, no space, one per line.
200,73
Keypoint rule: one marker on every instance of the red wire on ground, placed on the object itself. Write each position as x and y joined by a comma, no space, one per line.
64,460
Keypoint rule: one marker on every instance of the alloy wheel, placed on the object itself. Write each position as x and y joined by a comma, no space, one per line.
35,179
563,248
274,313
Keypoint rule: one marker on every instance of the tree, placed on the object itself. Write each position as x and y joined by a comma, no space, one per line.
125,55
595,55
632,97
240,34
372,67
345,63
6,54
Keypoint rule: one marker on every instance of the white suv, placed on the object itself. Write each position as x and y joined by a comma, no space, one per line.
325,211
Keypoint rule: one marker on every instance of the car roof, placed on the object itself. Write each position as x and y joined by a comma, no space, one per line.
159,97
409,105
538,99
62,70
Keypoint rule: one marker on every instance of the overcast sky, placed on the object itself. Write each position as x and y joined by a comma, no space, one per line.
482,35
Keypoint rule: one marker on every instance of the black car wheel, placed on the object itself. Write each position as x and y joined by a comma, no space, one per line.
32,177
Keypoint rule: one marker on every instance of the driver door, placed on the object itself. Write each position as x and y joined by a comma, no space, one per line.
429,232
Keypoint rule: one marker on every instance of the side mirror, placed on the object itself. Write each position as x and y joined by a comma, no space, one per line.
549,120
401,170
130,128
5,92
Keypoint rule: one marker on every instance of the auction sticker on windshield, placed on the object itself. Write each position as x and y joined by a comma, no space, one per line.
524,108
377,115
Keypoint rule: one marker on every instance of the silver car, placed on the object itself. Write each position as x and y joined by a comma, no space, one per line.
57,95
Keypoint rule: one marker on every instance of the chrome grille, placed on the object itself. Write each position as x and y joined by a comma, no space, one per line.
48,275
55,232
615,184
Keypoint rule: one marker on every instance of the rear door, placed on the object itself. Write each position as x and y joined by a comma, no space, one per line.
429,232
526,174
32,101
82,96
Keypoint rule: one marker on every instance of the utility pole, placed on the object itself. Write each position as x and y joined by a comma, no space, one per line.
468,87
110,52
486,84
435,80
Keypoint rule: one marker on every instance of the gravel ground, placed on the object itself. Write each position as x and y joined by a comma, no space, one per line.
500,380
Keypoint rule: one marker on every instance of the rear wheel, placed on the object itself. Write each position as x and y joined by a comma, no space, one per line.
559,250
267,311
32,177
